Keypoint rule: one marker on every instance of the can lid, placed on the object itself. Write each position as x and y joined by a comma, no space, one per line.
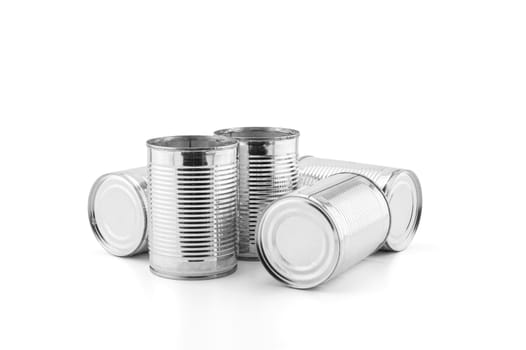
117,211
192,142
298,242
404,195
259,133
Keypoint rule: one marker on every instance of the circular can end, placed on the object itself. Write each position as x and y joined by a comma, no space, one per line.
298,242
404,195
117,210
192,143
259,133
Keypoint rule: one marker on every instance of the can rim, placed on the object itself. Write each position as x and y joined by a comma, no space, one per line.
93,221
304,157
266,133
192,142
273,271
398,246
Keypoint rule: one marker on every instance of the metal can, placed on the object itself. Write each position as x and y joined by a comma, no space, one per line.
268,170
192,186
400,186
117,210
317,232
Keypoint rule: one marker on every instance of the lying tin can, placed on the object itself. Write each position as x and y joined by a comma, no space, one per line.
117,210
192,186
268,170
401,188
317,232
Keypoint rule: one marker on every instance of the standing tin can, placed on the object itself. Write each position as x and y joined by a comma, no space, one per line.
268,170
117,210
192,184
401,188
317,232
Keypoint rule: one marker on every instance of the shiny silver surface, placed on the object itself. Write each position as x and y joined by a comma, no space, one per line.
268,170
193,184
117,210
401,188
317,232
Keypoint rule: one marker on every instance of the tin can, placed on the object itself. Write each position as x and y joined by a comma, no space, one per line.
268,170
117,210
400,186
317,232
192,185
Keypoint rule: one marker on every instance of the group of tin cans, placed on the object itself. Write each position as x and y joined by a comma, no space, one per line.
205,202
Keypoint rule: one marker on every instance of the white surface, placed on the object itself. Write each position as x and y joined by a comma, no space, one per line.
437,87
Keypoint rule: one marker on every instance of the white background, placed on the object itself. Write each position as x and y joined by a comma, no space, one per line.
438,87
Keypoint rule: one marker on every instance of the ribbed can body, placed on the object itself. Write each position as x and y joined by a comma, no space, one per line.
313,169
359,211
193,208
267,171
400,186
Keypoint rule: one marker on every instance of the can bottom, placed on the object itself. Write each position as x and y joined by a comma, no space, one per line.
404,195
204,277
117,213
298,242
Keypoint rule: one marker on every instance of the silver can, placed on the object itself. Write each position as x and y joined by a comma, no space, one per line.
192,185
400,186
268,170
117,210
317,232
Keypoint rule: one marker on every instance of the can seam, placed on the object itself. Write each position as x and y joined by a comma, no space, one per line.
233,143
292,133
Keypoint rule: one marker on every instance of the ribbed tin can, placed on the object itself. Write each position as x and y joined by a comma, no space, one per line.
268,170
400,186
192,185
317,232
117,210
